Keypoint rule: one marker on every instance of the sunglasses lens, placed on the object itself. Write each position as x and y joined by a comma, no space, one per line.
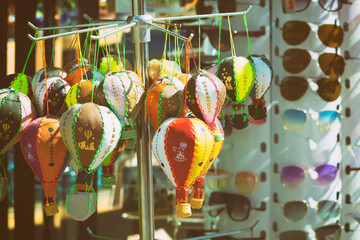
296,60
326,174
294,120
329,89
298,235
295,32
245,182
328,232
238,207
293,88
329,120
292,176
328,210
295,211
331,35
330,6
215,199
332,64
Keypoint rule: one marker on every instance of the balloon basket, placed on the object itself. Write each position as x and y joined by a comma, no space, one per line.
183,210
80,205
197,203
51,209
108,181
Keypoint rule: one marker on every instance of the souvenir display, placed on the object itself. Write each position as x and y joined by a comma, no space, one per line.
47,156
183,147
110,64
161,68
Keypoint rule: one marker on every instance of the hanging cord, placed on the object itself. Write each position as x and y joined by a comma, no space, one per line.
118,52
67,57
78,53
27,59
124,45
53,50
220,23
96,55
44,64
199,43
165,44
193,57
187,71
233,52
248,37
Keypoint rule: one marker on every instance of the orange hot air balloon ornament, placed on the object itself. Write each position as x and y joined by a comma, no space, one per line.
47,156
90,132
182,147
198,194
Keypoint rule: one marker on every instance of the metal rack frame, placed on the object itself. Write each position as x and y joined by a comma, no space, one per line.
140,24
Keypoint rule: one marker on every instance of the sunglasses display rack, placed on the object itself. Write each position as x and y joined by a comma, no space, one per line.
309,188
241,184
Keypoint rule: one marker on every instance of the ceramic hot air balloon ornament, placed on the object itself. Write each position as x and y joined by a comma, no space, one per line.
50,96
90,132
205,96
161,68
182,146
109,64
50,72
47,156
164,100
263,79
198,194
238,74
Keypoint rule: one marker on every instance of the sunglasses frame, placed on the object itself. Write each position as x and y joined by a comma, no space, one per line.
276,171
282,205
226,205
341,2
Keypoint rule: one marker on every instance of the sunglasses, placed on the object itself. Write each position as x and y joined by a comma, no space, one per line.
238,207
296,60
296,210
292,88
292,176
296,120
296,32
322,233
294,6
213,34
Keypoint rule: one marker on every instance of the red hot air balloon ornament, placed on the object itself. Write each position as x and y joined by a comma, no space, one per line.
90,132
238,74
198,194
47,156
205,95
263,79
182,147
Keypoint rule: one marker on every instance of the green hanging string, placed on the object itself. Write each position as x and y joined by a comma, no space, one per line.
118,51
199,44
53,50
248,37
124,44
96,55
27,59
220,23
166,37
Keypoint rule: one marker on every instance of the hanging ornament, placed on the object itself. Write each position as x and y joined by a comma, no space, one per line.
205,96
198,194
50,96
182,147
74,63
90,132
120,92
238,74
160,68
164,100
95,76
75,73
50,72
16,112
79,93
184,78
47,156
263,79
110,64
20,81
